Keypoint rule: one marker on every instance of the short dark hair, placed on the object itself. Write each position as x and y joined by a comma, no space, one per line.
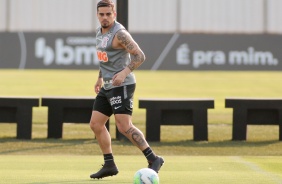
106,3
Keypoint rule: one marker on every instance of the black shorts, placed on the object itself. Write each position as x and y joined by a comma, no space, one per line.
117,100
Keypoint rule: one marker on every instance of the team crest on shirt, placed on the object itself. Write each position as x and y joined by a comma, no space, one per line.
102,55
105,42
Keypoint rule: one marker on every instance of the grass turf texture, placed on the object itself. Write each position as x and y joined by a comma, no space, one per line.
67,160
177,169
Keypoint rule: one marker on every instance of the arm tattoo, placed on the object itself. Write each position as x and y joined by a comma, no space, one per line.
137,56
136,61
100,74
122,37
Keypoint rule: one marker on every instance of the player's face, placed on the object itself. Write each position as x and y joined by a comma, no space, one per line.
106,16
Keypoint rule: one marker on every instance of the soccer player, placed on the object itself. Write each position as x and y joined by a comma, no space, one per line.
119,55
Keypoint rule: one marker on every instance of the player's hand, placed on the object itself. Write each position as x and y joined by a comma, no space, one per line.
119,78
98,85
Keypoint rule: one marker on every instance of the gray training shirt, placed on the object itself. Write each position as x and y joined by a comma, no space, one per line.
112,60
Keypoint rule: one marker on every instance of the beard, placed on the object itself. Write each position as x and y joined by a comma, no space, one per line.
105,25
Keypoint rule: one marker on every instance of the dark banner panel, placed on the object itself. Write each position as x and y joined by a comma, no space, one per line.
163,51
48,51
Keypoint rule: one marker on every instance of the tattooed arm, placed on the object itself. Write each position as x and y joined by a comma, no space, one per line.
123,40
126,41
100,74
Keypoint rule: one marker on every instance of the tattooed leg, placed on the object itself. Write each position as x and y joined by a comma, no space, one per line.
136,137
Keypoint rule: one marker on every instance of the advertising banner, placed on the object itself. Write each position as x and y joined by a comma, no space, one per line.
28,50
48,51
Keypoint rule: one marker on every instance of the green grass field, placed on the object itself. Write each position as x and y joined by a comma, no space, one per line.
177,169
73,158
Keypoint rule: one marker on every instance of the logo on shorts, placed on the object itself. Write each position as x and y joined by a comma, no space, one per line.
115,100
117,107
131,103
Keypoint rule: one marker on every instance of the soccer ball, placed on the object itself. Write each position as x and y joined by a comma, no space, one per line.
146,176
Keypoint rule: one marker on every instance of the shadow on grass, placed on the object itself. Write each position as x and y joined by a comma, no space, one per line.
225,143
77,182
21,145
90,147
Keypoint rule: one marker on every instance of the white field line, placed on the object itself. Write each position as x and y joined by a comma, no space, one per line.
259,170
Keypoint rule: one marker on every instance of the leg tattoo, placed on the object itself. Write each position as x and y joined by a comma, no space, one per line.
136,136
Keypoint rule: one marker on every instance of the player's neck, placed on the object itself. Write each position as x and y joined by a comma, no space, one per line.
105,30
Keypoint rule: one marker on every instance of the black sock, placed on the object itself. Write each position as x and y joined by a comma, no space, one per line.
109,159
149,154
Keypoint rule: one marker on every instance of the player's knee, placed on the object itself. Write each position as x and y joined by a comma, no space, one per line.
94,125
120,128
91,125
124,128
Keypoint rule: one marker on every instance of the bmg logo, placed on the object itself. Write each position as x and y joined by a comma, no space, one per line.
63,54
